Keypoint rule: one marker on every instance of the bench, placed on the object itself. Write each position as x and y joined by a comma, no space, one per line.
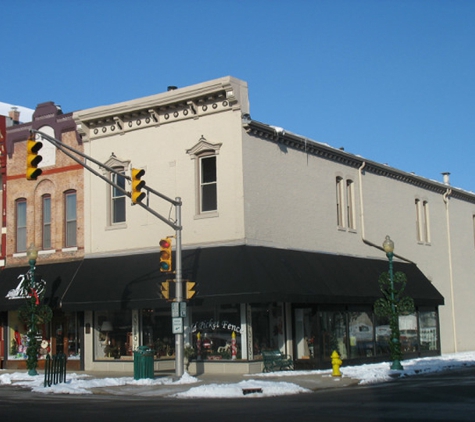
275,360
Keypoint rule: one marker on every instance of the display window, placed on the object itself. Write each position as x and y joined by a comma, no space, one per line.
408,336
361,334
66,334
157,332
216,333
18,339
383,335
306,331
333,334
428,330
113,335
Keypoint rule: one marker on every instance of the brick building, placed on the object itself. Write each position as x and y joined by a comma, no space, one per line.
46,213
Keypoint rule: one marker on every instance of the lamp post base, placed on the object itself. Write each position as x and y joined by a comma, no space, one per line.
32,372
396,366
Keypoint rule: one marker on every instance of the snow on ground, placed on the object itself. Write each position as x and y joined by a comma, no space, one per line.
366,374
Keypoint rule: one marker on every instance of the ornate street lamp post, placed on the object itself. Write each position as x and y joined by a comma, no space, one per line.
32,349
388,246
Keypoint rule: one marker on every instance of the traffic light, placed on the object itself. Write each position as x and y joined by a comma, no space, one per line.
190,292
166,255
137,185
165,289
32,158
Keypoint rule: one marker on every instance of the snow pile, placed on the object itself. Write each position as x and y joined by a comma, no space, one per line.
257,386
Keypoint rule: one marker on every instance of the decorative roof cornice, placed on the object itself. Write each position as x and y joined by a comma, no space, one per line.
192,102
291,140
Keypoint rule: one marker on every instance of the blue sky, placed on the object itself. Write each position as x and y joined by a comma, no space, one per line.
390,80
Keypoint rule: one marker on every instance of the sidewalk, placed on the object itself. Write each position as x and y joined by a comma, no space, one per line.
189,385
304,380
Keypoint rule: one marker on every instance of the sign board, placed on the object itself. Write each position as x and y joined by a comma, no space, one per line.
177,325
183,309
175,310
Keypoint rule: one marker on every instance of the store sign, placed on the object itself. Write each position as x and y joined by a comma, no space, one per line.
212,325
23,288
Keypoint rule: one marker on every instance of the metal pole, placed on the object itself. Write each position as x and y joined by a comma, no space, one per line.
32,345
396,365
179,338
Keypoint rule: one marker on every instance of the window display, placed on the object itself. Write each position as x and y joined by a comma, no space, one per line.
408,333
361,334
333,334
113,335
216,333
306,329
428,330
19,340
157,332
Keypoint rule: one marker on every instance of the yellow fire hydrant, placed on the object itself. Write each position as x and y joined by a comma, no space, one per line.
336,363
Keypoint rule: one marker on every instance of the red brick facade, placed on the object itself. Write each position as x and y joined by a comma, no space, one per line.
63,175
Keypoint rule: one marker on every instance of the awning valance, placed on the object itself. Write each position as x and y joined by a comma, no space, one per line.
57,277
241,274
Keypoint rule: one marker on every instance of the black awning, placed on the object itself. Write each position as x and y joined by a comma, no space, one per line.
57,277
119,282
242,274
260,274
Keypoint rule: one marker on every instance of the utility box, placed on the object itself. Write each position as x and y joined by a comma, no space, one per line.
143,363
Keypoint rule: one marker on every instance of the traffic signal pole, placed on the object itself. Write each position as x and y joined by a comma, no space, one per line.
179,337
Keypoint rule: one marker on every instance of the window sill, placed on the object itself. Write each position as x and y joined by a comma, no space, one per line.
210,214
47,252
70,249
118,226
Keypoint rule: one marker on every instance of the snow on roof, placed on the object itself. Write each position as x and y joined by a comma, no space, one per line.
26,114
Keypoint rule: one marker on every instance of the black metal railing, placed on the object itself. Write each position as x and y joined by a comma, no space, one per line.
55,369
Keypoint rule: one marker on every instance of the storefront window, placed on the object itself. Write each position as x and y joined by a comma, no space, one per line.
306,332
408,333
18,339
268,331
212,333
428,330
157,332
332,334
113,335
65,338
383,335
361,334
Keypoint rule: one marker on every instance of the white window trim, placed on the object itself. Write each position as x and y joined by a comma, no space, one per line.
119,165
201,150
